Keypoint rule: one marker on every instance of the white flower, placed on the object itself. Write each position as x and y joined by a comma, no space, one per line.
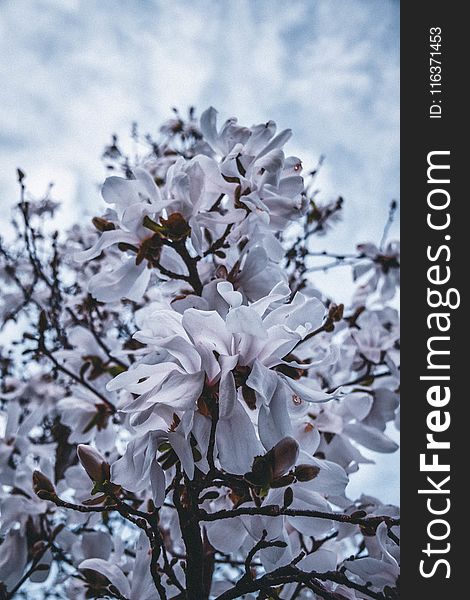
385,267
138,467
202,355
132,200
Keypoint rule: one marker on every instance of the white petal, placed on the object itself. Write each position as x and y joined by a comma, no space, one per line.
255,262
320,561
227,536
184,352
112,572
306,389
182,447
247,321
370,437
208,124
277,142
358,404
263,380
207,329
233,298
227,395
143,587
180,391
107,238
128,281
158,483
236,450
331,479
132,377
371,569
273,421
132,469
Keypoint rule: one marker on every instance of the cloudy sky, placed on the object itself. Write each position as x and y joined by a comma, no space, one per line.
74,71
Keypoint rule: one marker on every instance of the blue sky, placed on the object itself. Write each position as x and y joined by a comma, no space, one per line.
75,71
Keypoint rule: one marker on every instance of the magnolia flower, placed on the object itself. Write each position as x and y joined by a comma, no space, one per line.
271,185
143,217
238,360
380,570
373,340
192,187
88,419
253,185
135,583
385,267
132,200
138,467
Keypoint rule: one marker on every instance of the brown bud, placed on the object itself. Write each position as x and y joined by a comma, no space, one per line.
284,455
94,464
306,472
42,484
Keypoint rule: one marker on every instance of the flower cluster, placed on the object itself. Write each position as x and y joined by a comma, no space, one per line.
186,407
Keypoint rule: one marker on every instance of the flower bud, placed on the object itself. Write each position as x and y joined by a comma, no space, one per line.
42,486
94,464
284,455
306,472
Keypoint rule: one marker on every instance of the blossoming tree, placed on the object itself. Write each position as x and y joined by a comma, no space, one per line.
181,406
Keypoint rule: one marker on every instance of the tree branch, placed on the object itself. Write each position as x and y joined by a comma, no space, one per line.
291,574
274,510
191,533
74,377
191,265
